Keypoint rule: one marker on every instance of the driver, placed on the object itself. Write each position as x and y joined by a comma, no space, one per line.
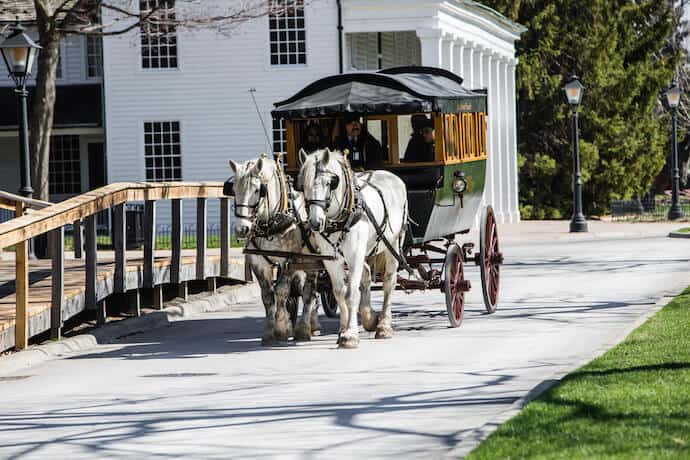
421,145
365,150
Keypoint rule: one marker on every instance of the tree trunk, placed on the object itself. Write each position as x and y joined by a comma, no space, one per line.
41,123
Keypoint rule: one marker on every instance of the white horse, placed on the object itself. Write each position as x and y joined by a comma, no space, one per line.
329,191
262,216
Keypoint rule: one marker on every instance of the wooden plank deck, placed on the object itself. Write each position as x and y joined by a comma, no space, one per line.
40,283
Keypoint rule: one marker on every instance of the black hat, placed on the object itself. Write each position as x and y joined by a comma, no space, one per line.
350,117
420,122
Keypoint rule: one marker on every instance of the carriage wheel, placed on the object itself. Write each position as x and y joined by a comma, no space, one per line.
490,259
455,285
330,306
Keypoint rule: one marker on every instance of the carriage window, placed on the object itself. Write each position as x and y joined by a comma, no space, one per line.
315,134
380,130
416,138
404,133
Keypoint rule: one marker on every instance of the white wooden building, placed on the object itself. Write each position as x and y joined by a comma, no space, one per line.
178,107
77,160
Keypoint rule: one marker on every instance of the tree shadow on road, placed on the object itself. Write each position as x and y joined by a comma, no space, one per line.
116,427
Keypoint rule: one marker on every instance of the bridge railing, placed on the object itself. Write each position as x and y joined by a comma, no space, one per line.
52,219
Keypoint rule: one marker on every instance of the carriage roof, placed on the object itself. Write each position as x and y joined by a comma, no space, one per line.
397,90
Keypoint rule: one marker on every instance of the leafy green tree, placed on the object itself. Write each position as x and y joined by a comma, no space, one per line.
622,53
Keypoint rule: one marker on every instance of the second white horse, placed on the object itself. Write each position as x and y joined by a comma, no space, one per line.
345,230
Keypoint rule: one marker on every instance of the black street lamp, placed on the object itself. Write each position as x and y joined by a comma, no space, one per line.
672,95
573,92
19,52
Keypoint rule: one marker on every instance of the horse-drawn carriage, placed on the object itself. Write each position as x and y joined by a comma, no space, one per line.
444,184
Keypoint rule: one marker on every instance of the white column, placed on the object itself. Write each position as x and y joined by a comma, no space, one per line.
485,73
432,45
458,61
447,53
496,152
498,164
477,80
512,138
468,65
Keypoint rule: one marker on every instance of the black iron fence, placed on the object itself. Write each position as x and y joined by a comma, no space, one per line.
5,215
164,236
646,209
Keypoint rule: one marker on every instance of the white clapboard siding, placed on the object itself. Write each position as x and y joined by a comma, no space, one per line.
208,94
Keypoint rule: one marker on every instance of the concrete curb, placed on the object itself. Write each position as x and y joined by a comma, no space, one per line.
678,235
175,310
471,440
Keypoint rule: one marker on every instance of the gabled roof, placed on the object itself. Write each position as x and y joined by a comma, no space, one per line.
397,90
490,12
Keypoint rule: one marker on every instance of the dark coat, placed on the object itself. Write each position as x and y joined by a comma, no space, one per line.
417,150
366,153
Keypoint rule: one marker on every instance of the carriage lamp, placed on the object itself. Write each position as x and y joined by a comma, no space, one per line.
672,96
460,183
573,92
19,53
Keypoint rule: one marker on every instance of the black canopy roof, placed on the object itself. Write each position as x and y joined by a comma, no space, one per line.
397,90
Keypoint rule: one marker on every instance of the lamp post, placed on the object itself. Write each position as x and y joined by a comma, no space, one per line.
672,95
573,92
19,52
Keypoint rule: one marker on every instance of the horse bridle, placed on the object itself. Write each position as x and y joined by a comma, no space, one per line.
334,182
263,195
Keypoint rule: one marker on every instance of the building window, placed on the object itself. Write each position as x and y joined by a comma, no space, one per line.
279,139
287,33
159,40
93,57
380,50
64,168
162,151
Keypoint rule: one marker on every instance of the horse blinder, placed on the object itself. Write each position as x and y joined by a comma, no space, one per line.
229,187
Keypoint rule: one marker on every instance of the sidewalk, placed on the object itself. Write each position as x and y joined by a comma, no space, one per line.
558,230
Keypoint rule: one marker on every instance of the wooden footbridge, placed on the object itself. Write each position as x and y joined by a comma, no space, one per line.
37,296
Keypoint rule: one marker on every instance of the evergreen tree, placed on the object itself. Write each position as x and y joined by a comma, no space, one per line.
620,50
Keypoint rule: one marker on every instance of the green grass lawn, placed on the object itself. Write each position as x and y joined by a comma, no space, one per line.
684,230
632,402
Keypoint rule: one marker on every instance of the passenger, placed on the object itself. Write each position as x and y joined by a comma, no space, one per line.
365,150
421,145
312,136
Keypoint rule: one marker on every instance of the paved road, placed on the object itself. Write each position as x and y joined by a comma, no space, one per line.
205,388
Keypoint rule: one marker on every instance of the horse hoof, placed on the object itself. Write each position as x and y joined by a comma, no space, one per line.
348,341
303,333
369,320
282,337
268,340
283,332
384,332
